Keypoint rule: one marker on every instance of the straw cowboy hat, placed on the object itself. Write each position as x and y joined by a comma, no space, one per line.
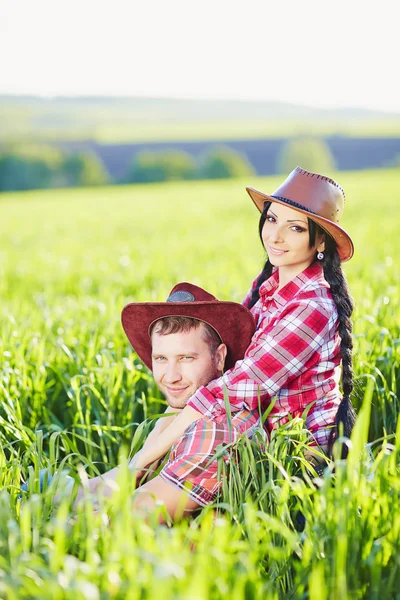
233,322
318,197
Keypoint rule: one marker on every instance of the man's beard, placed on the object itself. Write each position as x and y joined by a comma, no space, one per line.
177,403
180,402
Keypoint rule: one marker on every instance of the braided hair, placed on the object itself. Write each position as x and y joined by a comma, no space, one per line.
333,273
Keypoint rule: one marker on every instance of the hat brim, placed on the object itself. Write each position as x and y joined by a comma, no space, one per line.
343,241
233,322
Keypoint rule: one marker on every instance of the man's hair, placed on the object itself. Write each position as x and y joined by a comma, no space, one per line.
178,324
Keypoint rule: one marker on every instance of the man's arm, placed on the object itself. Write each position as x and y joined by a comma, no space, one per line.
176,502
106,481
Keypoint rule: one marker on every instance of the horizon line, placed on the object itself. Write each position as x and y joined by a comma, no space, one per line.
192,98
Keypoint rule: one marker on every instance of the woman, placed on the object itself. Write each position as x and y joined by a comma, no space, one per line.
302,309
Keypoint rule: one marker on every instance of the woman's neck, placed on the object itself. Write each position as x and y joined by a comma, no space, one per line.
287,274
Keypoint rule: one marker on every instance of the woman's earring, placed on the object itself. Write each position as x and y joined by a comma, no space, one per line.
320,255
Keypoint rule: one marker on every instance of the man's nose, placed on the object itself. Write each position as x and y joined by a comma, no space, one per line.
172,373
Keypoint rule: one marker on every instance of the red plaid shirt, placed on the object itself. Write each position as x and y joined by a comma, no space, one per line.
293,358
192,466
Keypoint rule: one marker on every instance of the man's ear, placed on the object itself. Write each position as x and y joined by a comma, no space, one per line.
220,356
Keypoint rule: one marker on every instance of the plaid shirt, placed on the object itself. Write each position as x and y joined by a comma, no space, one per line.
192,466
293,358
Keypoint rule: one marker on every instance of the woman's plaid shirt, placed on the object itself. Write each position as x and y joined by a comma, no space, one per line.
293,358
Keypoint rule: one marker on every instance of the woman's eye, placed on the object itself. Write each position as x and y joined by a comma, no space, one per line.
160,359
270,218
298,229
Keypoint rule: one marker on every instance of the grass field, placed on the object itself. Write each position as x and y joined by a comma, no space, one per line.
74,393
115,133
119,120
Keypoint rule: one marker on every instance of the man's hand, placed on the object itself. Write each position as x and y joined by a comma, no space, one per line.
102,484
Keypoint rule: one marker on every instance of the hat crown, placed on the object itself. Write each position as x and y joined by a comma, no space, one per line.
233,322
315,193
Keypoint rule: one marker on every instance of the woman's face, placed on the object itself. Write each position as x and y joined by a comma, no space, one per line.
285,236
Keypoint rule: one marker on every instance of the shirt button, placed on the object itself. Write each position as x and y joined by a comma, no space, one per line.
264,308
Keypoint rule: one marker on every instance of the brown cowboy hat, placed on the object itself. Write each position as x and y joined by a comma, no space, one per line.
233,322
318,197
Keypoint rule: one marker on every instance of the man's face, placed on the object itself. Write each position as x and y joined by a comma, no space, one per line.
182,362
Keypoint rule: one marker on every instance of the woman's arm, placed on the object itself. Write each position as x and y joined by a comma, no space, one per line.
277,354
162,443
161,424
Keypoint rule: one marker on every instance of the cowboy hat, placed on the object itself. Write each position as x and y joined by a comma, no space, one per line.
318,197
233,322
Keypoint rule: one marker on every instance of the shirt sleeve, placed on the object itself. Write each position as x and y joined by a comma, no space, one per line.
288,346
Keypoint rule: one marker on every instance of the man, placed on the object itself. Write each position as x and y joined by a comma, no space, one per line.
186,342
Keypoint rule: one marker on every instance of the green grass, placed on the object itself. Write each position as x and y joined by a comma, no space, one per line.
73,392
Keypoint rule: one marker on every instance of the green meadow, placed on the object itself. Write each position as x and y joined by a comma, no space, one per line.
119,120
136,132
75,398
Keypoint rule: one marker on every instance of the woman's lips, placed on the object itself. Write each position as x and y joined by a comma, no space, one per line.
275,251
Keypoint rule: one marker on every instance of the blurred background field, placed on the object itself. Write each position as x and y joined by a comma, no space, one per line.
73,392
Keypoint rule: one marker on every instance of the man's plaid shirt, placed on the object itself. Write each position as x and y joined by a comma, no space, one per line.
293,358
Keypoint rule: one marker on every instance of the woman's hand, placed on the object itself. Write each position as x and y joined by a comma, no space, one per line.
162,423
164,440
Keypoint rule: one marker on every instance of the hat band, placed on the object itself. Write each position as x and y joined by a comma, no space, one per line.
295,204
181,296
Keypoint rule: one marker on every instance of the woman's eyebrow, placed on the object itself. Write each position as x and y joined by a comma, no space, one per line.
271,212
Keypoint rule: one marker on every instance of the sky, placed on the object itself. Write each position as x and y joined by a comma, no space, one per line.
317,53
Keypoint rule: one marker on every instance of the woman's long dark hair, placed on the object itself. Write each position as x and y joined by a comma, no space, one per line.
345,416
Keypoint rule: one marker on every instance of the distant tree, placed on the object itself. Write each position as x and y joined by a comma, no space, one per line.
156,166
223,162
309,153
15,173
394,162
29,167
83,169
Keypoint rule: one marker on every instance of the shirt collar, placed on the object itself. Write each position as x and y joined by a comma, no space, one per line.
313,273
